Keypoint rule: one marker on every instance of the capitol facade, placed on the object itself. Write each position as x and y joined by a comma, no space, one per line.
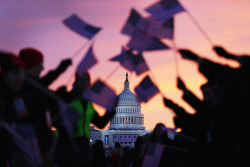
126,125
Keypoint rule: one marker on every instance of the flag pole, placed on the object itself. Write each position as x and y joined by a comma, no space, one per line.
112,72
75,55
175,58
80,49
200,28
154,78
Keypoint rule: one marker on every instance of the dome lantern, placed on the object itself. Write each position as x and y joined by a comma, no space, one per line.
126,83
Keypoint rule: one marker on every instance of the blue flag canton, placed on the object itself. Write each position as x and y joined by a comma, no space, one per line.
134,18
98,86
137,59
146,83
169,3
91,29
169,23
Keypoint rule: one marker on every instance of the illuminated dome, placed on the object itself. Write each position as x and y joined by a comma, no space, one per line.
128,111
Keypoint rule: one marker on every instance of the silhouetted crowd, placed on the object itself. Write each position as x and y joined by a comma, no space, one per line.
216,134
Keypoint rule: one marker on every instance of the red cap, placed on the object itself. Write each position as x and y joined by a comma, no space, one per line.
10,61
31,57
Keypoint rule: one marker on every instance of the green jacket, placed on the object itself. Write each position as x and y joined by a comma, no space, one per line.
85,118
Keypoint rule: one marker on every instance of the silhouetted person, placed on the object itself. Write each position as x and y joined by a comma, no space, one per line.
234,83
136,152
126,157
11,80
115,155
65,154
38,103
99,158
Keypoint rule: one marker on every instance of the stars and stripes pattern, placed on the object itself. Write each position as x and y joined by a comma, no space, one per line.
160,30
142,42
81,27
134,21
165,9
101,94
146,90
139,64
124,59
87,62
132,62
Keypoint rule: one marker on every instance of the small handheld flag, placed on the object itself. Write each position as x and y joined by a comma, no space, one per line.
81,27
160,30
134,21
87,62
101,94
165,9
146,90
142,42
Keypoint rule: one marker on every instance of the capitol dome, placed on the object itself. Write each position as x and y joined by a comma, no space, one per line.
128,111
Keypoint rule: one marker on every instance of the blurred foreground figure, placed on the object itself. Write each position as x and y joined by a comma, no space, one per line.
230,87
65,154
11,80
38,103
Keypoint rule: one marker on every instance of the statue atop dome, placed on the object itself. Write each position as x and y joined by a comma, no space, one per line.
126,83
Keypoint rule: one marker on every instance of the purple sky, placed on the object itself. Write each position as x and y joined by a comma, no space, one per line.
38,24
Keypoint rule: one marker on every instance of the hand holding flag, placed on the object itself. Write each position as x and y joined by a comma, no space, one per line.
186,54
180,84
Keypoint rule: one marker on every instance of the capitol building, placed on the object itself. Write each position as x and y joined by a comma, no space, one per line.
127,123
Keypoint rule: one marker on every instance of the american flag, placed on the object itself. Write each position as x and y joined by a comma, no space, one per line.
139,64
134,21
153,154
165,9
160,30
146,90
25,139
140,41
101,94
124,59
87,62
132,62
81,27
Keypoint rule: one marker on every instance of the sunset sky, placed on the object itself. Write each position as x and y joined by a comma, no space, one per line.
38,24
